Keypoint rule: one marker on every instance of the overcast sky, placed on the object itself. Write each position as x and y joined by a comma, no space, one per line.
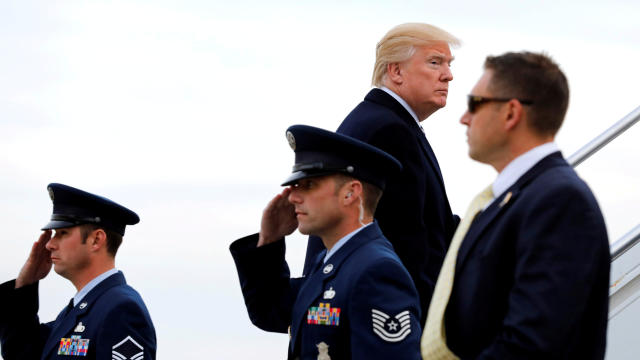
177,109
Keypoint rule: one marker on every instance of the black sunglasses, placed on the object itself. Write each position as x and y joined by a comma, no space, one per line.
473,101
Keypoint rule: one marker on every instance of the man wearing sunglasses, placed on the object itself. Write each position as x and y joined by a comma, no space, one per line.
411,74
529,277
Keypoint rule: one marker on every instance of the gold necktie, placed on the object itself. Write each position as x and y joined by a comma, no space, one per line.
434,343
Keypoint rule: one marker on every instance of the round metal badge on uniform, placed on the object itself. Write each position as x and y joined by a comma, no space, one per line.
292,140
327,269
83,305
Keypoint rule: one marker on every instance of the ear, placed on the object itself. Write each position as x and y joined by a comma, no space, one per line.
514,115
351,192
97,240
394,73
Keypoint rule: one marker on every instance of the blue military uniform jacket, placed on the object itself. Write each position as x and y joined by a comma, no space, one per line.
414,212
111,322
532,273
360,304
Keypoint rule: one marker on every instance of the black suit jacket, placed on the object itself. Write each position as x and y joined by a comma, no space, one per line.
532,273
414,212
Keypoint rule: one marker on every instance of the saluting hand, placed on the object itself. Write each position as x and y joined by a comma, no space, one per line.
38,264
278,219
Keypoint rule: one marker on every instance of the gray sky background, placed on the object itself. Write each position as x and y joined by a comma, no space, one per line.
177,109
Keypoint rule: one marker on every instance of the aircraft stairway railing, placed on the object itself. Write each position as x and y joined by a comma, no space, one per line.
624,288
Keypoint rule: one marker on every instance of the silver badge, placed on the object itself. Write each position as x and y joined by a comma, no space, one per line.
83,305
323,351
292,140
330,294
79,327
327,269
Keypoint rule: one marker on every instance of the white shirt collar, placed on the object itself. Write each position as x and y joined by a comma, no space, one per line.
402,102
93,283
520,165
343,241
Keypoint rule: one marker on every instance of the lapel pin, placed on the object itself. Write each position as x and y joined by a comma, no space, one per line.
79,327
505,199
327,269
330,294
83,305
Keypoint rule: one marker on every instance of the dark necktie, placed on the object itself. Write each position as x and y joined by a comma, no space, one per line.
69,307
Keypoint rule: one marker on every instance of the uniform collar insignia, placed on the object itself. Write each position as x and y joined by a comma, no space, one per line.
327,269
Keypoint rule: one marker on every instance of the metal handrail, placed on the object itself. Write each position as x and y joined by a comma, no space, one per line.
625,243
611,133
631,238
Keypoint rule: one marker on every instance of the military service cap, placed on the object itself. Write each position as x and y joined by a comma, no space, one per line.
320,152
73,207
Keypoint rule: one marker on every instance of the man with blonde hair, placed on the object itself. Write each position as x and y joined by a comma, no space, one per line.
411,74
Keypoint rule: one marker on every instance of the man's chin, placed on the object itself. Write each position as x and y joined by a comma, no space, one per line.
304,231
60,270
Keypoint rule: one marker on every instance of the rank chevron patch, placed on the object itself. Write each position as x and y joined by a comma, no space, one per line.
391,329
127,349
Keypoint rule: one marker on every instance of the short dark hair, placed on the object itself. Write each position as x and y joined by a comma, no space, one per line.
113,238
534,77
370,192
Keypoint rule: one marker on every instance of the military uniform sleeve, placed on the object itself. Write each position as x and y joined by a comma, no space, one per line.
268,290
21,334
384,314
562,262
127,334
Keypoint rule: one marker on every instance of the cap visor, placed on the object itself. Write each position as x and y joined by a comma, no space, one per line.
57,224
299,175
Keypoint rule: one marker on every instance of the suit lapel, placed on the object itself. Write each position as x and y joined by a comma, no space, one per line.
381,97
66,323
482,221
428,151
501,204
314,284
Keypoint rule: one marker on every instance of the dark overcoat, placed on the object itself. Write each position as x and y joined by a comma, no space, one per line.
414,212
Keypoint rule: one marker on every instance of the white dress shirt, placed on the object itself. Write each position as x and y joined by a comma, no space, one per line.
519,166
403,103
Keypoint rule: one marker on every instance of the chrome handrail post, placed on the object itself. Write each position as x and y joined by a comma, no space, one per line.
603,139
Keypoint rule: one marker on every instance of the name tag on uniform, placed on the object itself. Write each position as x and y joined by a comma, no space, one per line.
73,346
323,314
